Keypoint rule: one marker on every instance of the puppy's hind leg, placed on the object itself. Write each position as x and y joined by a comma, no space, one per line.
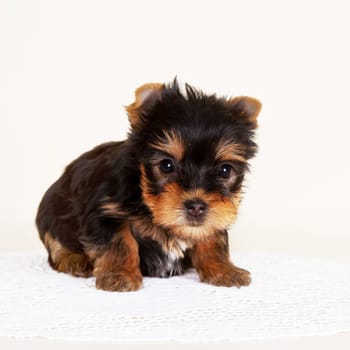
64,260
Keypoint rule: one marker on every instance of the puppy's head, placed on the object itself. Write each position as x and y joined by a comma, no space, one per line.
194,152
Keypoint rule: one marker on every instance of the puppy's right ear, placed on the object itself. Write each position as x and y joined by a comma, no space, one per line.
145,98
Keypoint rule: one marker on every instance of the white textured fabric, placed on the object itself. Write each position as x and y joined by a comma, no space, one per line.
289,296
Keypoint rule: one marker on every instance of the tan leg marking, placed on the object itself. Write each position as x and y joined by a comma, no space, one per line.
210,257
118,267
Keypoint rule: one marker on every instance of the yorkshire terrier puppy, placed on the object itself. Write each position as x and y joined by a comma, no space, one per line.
159,202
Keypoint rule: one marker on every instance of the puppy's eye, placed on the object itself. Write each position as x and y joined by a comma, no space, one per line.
225,171
166,166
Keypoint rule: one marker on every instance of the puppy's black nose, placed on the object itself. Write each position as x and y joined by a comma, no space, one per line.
195,207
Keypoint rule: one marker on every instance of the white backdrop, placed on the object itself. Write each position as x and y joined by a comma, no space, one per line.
67,68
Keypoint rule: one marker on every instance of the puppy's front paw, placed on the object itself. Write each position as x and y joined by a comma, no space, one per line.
226,275
115,282
240,277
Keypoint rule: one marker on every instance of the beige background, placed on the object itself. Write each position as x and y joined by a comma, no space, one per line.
68,67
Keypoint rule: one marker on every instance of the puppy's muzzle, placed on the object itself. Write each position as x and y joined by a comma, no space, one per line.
196,208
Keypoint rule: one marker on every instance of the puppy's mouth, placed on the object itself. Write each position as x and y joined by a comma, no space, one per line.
194,222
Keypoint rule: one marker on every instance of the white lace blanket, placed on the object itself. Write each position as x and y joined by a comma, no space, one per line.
290,296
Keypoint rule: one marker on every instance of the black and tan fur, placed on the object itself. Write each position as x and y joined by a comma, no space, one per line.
160,201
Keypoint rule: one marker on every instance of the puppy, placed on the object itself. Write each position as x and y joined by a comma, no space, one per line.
159,202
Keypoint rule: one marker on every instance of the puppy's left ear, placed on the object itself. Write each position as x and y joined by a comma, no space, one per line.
246,109
145,97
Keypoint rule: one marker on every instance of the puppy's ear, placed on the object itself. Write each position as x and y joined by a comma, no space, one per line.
247,109
145,97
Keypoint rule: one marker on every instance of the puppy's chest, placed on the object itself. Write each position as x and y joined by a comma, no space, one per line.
161,257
